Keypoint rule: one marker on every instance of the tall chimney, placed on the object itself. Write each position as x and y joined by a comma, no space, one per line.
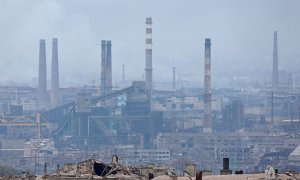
275,63
42,87
108,68
54,75
148,66
225,170
174,79
103,84
207,87
226,164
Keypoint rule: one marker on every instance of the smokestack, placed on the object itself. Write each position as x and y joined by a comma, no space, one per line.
275,63
103,84
174,79
42,88
226,164
108,69
148,67
225,170
54,75
207,87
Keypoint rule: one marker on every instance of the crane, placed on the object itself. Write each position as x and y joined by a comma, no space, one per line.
38,123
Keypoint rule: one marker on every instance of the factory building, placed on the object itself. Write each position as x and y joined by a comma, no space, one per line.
244,149
164,124
233,116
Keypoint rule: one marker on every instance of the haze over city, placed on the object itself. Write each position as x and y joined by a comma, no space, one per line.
140,90
241,33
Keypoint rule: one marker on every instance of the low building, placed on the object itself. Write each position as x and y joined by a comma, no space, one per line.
40,148
294,157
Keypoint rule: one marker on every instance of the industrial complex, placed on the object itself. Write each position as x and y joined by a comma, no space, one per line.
151,129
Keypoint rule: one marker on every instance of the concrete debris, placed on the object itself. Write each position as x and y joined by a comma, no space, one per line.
93,169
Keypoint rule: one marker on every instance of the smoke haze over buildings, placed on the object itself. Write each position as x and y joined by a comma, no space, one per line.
241,32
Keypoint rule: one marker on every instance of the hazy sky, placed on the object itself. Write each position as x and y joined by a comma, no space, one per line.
241,33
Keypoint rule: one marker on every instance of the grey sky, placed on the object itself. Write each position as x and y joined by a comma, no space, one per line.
241,33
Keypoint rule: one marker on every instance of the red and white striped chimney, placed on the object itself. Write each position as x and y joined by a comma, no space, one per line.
148,65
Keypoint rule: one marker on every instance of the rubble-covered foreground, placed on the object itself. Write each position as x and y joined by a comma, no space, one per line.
93,169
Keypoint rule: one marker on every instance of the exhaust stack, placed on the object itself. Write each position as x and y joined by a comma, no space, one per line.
207,87
54,75
225,170
148,65
108,69
275,63
42,86
103,67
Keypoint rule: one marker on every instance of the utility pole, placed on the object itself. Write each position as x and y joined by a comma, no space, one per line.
174,79
38,126
123,73
272,107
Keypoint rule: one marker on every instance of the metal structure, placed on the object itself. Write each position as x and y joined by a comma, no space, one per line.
65,115
207,87
275,63
272,107
77,121
174,79
123,74
54,75
42,86
38,126
148,65
22,121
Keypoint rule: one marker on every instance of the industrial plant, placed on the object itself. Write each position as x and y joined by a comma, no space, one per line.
149,129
